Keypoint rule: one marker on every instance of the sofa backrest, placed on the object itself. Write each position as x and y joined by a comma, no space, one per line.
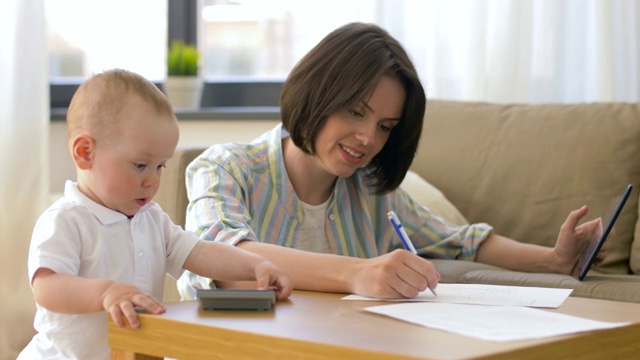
523,168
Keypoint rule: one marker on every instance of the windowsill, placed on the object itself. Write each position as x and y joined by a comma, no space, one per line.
208,113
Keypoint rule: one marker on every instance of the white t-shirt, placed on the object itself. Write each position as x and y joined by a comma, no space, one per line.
312,235
77,236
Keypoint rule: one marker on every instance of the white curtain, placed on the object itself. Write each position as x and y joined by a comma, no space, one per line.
527,51
24,189
530,51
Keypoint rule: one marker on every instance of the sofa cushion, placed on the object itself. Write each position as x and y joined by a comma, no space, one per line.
523,168
607,287
452,271
429,196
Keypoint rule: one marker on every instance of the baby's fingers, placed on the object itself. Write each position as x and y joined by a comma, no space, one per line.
117,314
283,291
130,314
149,304
283,287
125,310
280,283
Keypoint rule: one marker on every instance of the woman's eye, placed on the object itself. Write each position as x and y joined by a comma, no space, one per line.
388,126
355,113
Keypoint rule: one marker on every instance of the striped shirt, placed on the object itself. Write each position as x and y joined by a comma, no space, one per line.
242,192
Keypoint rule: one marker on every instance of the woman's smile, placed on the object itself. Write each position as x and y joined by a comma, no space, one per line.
351,155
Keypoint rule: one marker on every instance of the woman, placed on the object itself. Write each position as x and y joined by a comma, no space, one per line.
320,184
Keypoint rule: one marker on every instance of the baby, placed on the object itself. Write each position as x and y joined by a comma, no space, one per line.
106,246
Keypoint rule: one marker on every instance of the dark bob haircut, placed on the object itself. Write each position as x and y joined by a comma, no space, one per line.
341,70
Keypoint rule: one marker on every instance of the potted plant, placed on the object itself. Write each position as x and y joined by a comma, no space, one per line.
183,85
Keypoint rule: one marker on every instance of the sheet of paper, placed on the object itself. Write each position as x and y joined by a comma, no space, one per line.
488,295
494,323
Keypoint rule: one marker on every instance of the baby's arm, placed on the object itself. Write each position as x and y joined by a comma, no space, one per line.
222,261
72,294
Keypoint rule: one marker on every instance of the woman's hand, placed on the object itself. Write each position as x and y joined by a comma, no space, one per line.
573,241
398,274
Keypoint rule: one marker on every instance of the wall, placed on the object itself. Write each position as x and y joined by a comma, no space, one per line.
192,133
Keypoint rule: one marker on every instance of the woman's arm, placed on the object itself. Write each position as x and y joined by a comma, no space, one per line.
507,253
393,275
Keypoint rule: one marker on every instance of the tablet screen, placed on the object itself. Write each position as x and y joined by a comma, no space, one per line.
599,235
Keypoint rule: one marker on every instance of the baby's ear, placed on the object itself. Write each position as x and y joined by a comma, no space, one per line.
82,147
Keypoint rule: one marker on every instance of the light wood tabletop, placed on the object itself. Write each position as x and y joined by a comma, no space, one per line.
312,325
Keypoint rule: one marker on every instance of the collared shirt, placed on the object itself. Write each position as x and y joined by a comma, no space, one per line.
242,192
78,236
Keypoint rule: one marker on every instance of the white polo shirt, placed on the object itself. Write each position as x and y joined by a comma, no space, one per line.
77,236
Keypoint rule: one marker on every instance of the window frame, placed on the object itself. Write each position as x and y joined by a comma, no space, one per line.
245,98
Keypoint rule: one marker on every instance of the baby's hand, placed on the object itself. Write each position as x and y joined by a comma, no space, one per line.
269,276
120,299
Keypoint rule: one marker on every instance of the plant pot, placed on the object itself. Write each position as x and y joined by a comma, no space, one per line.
183,92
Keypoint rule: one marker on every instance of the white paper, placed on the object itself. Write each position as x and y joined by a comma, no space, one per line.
494,323
488,295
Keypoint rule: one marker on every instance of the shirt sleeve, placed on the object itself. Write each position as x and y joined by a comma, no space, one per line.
217,207
55,244
433,236
180,243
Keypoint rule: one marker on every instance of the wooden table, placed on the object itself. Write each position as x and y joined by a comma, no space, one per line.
314,325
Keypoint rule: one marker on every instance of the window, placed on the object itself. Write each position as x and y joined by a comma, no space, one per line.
264,39
86,37
248,46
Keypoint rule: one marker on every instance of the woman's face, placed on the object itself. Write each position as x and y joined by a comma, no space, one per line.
352,137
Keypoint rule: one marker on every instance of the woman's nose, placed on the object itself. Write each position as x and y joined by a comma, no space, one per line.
366,133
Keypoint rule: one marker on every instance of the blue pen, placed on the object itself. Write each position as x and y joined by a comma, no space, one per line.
404,238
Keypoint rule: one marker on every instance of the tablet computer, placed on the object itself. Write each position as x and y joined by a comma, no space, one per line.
236,299
600,234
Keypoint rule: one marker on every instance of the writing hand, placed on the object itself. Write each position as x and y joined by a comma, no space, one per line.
398,274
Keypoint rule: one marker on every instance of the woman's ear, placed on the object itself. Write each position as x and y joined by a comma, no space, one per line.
82,147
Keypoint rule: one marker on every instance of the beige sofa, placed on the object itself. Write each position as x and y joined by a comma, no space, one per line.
521,168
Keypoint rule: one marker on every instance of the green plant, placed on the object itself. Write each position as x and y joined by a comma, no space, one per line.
182,59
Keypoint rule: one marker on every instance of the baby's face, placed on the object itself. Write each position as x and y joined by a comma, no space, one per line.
125,174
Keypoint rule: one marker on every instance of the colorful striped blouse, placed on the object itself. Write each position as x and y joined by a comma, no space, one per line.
242,192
